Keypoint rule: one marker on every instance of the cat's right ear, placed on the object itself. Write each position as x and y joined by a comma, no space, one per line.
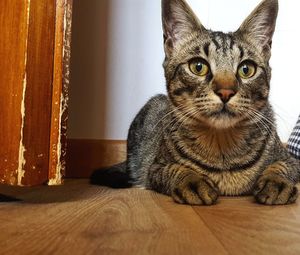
259,26
178,22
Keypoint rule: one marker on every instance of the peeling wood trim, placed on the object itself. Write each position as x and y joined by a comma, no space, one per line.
54,175
33,68
60,91
57,179
22,149
66,80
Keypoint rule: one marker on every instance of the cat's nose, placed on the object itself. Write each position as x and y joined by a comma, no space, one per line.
225,94
225,85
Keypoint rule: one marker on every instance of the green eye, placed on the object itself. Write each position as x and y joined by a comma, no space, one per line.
247,70
199,67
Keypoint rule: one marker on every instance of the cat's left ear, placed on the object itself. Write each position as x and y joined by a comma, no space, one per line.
179,21
260,24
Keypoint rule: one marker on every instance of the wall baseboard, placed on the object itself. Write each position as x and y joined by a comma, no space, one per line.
84,156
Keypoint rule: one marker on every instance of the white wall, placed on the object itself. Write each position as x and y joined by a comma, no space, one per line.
110,86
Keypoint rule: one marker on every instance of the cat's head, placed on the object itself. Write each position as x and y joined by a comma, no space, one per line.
214,77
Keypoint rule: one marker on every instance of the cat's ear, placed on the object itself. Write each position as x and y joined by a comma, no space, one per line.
178,22
260,24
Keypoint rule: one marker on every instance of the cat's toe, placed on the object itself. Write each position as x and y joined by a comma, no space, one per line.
275,190
195,190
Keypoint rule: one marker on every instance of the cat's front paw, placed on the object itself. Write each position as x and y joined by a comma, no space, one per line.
275,190
195,190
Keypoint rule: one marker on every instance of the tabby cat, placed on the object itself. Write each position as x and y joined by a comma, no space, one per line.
214,134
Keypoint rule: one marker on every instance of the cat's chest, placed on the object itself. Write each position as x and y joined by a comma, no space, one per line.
235,183
219,146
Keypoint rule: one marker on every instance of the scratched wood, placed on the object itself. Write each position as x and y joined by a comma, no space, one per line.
82,219
244,227
31,49
13,47
79,218
39,71
60,96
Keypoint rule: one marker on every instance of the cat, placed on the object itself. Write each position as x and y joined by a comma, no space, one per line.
214,133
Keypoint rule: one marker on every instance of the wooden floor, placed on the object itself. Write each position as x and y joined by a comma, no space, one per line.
78,218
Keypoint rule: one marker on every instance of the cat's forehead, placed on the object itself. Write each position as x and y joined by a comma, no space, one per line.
223,48
215,41
221,40
219,49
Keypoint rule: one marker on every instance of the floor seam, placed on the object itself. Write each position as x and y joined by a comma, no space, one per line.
211,231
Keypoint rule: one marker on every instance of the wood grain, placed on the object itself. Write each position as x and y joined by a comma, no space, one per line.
60,86
13,45
95,220
84,155
32,43
79,218
68,21
39,72
244,227
56,106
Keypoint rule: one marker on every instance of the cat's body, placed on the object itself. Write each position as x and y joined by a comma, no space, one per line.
214,134
232,158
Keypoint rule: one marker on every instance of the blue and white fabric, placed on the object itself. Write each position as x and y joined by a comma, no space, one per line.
294,141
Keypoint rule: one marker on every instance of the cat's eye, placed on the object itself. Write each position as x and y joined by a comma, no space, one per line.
199,67
247,69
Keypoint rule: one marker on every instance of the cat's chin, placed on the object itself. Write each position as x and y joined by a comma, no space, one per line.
223,120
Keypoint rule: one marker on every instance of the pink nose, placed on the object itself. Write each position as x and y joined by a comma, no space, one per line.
225,85
225,94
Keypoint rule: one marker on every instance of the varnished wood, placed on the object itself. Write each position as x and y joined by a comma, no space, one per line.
13,45
39,72
84,156
66,76
34,71
56,95
244,227
60,86
82,219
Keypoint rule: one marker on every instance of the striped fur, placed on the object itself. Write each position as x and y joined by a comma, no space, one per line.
193,145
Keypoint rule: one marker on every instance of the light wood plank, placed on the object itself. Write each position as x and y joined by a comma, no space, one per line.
95,220
79,218
244,227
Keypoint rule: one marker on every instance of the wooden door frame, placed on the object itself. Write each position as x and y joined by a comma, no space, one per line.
60,95
34,90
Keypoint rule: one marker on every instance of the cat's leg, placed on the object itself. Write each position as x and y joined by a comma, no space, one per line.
277,184
183,184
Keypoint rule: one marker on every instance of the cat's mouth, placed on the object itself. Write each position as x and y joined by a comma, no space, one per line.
223,118
225,111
